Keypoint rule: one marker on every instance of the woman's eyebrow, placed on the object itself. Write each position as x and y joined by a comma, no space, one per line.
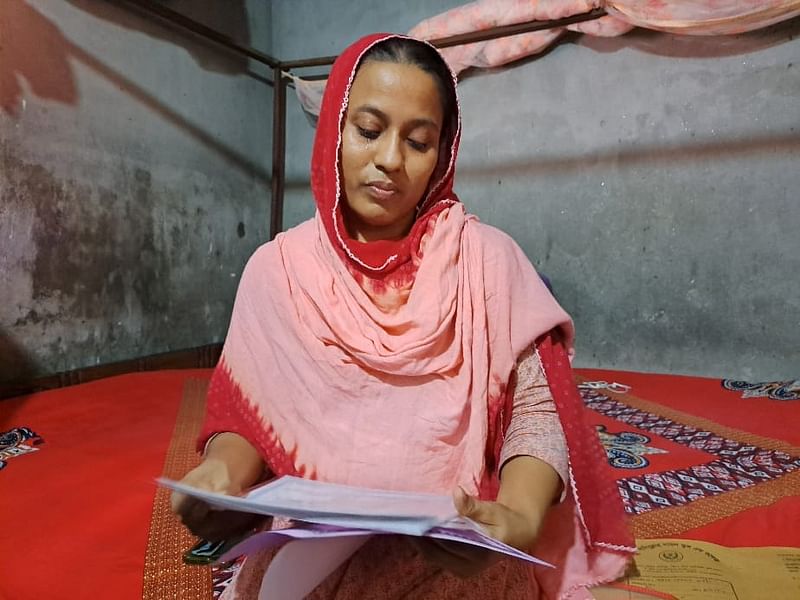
413,124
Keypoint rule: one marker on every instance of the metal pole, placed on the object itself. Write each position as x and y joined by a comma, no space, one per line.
508,30
469,38
278,153
176,18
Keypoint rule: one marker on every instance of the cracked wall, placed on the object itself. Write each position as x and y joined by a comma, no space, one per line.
133,181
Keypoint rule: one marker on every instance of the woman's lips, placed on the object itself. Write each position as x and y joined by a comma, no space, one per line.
381,191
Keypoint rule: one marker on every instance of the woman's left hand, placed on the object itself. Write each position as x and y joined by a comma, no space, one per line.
497,520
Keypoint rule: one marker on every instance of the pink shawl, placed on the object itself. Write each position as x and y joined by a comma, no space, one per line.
329,383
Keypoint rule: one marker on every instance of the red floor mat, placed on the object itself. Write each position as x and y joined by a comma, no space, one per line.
81,515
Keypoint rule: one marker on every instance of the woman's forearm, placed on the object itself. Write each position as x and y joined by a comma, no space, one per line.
529,486
244,464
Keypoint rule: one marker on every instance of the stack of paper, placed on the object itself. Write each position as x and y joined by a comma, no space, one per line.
334,521
346,506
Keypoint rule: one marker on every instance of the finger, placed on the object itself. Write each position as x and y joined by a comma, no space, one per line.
196,512
192,513
176,501
468,506
226,525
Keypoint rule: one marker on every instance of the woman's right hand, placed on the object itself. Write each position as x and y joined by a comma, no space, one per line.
203,520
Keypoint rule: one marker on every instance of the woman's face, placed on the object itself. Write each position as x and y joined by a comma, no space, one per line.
390,147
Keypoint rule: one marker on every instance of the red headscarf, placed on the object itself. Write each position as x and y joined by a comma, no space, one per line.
379,258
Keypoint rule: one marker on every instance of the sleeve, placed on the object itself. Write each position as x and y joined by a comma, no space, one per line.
535,429
227,409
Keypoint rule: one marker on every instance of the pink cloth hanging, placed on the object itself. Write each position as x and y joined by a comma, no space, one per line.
692,17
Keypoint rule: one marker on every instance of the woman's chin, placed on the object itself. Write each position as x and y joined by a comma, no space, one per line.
370,228
378,216
381,221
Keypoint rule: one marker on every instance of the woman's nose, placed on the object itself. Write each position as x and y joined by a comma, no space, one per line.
388,153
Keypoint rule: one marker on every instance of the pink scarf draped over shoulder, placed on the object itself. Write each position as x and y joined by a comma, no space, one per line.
334,388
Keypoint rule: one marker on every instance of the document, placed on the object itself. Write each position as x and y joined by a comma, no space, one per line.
691,570
327,503
330,511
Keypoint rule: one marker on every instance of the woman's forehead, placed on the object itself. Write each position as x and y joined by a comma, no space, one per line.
396,89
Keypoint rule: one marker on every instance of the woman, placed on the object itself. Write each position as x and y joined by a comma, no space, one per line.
395,342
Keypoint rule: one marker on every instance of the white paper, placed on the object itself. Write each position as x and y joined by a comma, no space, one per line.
457,530
472,534
320,497
407,513
334,521
264,540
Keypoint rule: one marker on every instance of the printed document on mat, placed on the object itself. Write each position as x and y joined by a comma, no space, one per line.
693,570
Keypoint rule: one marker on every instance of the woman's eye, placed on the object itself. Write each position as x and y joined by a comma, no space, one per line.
418,146
368,133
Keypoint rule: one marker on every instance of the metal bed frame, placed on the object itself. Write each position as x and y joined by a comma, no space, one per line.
208,355
281,68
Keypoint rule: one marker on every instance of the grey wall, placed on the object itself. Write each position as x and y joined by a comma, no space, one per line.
134,179
654,178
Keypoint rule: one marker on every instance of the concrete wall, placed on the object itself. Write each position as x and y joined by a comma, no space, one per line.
134,179
654,178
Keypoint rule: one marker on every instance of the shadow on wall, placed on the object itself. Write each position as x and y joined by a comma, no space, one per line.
632,154
228,17
15,363
16,367
34,49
